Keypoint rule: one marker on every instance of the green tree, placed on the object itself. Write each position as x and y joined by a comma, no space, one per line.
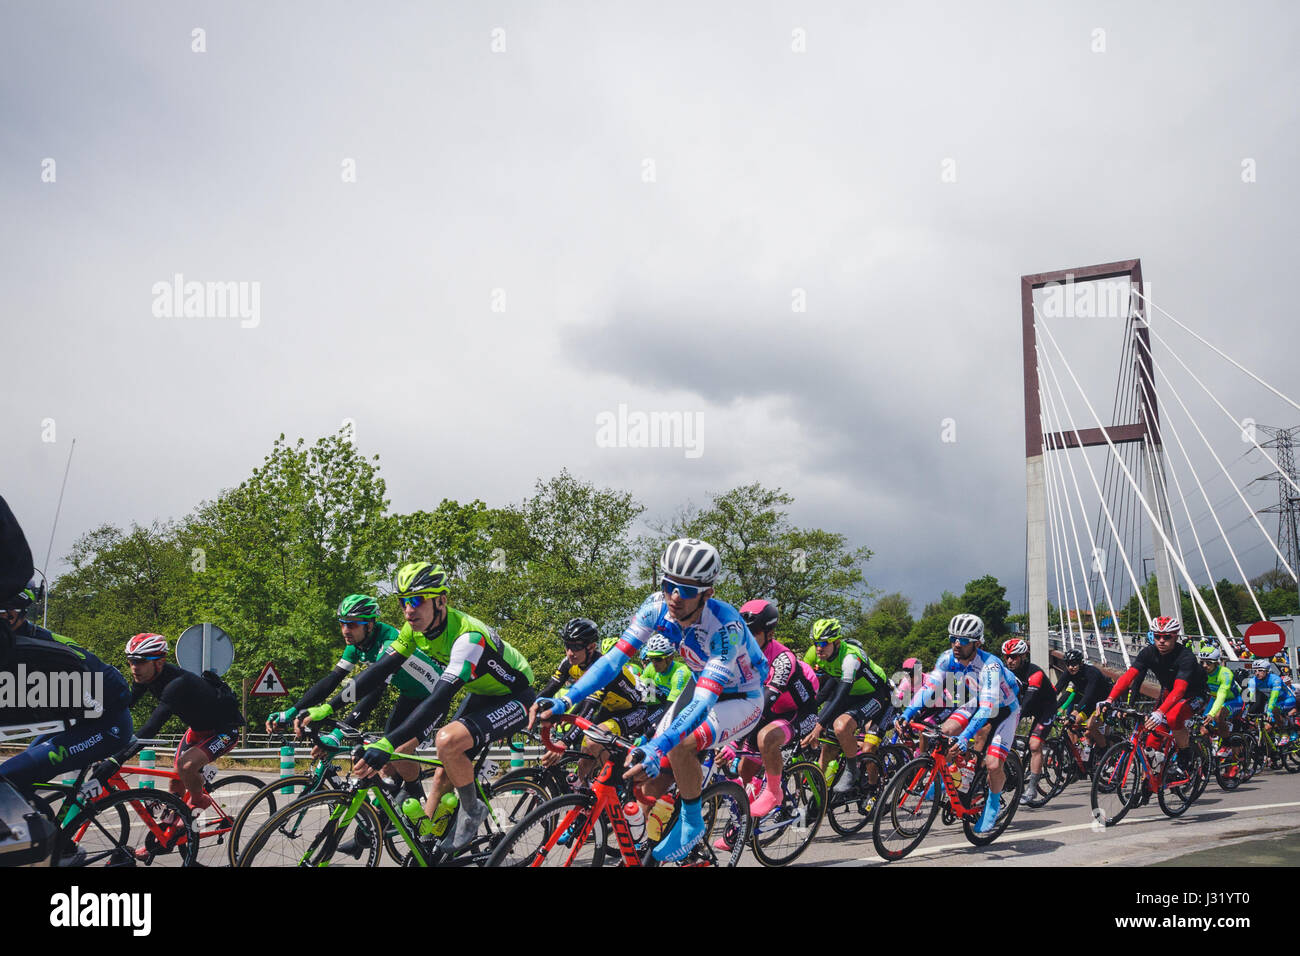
887,627
987,598
809,573
928,637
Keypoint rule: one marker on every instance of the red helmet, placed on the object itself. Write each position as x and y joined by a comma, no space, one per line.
1014,648
146,647
1161,626
759,614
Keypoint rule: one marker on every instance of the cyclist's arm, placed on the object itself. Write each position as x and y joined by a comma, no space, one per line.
1131,676
931,683
149,729
1221,698
606,669
835,705
1036,690
321,689
363,708
374,676
989,699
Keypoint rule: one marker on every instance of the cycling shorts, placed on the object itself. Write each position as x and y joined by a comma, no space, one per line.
726,720
214,743
1181,716
866,710
488,719
1002,738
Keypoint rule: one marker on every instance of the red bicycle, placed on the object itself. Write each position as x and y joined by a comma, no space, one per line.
1128,773
923,786
574,829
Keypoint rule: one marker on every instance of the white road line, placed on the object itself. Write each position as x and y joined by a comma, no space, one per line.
1035,834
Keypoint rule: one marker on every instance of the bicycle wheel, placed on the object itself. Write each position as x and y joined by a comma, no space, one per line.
892,757
728,826
158,830
215,823
1012,789
780,836
1179,785
1202,778
907,809
1291,753
259,807
848,815
559,832
1229,772
53,796
1116,784
308,832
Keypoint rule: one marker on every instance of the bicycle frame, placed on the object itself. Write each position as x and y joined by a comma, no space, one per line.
72,805
608,804
1138,752
932,742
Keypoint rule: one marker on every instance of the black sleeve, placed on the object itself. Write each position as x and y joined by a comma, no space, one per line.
554,684
374,676
363,708
431,710
150,728
322,688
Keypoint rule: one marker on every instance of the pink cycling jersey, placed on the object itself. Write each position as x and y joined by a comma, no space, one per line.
793,677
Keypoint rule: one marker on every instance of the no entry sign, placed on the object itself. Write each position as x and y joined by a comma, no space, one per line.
1265,638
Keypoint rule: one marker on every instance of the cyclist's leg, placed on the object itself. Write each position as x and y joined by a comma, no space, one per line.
68,750
482,721
195,751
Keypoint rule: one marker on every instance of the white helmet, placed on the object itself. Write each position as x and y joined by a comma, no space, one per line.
689,559
966,625
1208,653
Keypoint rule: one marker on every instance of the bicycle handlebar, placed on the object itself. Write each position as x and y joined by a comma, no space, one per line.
595,731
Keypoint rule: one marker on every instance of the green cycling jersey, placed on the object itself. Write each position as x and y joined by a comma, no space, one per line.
851,662
478,642
418,673
656,688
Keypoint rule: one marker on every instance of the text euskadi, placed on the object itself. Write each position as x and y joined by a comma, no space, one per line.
78,909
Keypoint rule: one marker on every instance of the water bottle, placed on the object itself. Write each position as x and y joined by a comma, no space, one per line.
1157,760
414,811
1085,750
635,820
658,817
442,816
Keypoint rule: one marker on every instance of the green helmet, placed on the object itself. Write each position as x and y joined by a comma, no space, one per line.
361,606
608,644
826,629
421,578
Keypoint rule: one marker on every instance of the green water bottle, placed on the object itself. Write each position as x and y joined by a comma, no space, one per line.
442,816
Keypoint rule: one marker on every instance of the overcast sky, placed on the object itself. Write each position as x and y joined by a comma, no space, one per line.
639,190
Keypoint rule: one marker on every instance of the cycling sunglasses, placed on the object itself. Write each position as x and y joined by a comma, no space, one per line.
963,641
413,601
687,591
352,620
138,659
822,643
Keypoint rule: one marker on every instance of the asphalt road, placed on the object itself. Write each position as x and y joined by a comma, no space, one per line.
1257,824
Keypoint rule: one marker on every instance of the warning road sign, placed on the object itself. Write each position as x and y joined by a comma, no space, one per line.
268,683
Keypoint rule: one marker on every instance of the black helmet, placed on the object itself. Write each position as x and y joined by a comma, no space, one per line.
579,632
24,599
1073,657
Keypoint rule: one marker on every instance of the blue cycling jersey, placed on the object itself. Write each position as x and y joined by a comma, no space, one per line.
1265,690
984,684
718,649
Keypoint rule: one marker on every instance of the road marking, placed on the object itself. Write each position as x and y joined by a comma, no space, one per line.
1035,834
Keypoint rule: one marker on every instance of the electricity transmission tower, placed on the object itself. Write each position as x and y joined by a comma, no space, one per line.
1287,508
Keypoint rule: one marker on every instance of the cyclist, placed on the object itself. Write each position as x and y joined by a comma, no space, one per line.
727,699
496,676
1182,684
991,715
790,701
1037,701
1269,696
368,639
856,694
1089,686
99,723
1222,685
617,707
204,704
663,679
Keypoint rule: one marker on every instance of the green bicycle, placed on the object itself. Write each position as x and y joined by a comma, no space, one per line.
317,829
